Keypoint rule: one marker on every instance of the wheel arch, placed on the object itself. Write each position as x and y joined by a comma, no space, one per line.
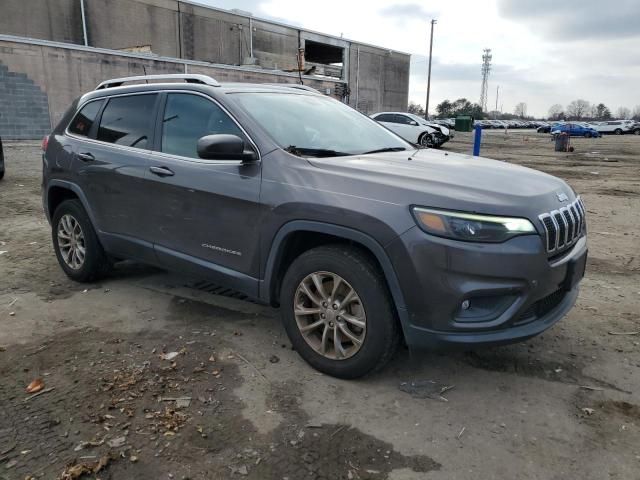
284,250
58,191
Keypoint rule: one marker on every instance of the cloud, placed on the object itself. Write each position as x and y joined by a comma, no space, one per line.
576,21
406,11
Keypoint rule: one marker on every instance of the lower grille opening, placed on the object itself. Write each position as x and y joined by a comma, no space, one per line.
541,307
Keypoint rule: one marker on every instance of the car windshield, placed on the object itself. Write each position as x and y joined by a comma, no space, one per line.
313,125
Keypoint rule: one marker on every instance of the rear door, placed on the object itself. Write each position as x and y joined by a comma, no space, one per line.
206,213
113,165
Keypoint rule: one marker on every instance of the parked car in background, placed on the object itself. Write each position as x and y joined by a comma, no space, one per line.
575,130
635,129
409,128
545,128
615,127
1,161
299,201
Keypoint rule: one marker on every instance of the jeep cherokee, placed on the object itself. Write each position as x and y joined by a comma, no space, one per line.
299,201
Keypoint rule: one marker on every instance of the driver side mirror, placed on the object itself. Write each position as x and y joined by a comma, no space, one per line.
223,146
413,123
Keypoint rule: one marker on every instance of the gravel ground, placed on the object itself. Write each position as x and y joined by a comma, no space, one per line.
237,402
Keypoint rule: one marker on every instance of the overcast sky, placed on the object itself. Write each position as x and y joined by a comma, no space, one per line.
544,51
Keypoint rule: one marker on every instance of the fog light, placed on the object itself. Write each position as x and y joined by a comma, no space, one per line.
465,305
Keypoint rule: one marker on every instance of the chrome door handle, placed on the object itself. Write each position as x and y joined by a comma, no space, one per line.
86,157
161,171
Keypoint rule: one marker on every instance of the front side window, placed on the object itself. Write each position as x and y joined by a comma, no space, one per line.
83,121
128,121
187,118
314,123
403,119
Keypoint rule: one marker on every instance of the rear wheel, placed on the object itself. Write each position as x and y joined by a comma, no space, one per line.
337,312
76,244
587,135
637,131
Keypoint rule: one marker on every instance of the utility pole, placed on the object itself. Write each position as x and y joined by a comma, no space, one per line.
426,110
497,96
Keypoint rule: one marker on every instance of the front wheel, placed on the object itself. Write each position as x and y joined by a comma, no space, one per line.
587,135
426,140
337,312
76,244
618,131
637,132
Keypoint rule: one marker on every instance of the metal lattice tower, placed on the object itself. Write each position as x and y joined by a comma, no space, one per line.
486,69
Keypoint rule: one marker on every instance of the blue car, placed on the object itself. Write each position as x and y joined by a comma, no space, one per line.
575,130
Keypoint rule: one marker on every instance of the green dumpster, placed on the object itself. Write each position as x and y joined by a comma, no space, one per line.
464,123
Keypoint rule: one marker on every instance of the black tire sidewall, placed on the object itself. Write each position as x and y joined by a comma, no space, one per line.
369,285
94,256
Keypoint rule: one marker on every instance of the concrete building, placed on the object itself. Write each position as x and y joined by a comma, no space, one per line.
51,51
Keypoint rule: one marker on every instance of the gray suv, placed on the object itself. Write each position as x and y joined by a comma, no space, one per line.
301,202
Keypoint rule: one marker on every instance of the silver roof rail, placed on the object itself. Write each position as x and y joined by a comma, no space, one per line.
203,79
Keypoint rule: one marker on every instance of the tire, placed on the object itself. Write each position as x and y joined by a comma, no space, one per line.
94,263
426,140
373,308
587,135
1,173
637,132
617,131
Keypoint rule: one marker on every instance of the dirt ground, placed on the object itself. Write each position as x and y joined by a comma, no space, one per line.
237,402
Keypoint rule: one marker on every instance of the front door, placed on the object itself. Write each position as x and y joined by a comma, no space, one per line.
206,214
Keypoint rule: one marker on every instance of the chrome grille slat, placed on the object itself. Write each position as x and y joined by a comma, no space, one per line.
563,227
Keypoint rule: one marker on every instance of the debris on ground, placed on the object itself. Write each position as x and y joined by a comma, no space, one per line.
426,389
588,411
117,442
35,386
76,470
274,359
169,356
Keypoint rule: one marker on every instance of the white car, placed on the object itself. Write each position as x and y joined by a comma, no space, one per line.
414,129
617,127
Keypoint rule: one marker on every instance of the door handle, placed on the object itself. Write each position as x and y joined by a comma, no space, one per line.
86,157
161,171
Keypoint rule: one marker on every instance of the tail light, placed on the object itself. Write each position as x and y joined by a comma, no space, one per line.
45,143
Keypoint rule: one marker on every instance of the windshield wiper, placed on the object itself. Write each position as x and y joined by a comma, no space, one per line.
386,149
314,152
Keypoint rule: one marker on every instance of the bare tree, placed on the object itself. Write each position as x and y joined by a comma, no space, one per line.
636,113
520,110
623,113
416,109
578,109
556,112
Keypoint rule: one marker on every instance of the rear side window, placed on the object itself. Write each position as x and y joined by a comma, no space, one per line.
83,121
187,118
128,121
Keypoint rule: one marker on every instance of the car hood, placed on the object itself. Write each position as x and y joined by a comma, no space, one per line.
445,180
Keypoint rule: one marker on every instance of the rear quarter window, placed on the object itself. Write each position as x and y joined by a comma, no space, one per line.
84,119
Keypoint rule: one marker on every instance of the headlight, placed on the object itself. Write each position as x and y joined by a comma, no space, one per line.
471,227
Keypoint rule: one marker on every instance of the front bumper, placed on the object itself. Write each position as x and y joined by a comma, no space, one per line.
513,290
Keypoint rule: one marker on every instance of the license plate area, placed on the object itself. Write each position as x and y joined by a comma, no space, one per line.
575,272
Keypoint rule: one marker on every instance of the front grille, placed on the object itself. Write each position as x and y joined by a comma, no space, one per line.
563,227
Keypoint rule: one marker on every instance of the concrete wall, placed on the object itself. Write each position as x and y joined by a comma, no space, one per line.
38,82
176,28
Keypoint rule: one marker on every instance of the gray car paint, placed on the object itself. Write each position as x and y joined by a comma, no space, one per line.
252,208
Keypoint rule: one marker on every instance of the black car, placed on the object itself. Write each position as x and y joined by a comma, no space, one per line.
299,201
544,129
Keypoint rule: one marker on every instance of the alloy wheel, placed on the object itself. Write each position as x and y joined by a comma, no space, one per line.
71,242
330,315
